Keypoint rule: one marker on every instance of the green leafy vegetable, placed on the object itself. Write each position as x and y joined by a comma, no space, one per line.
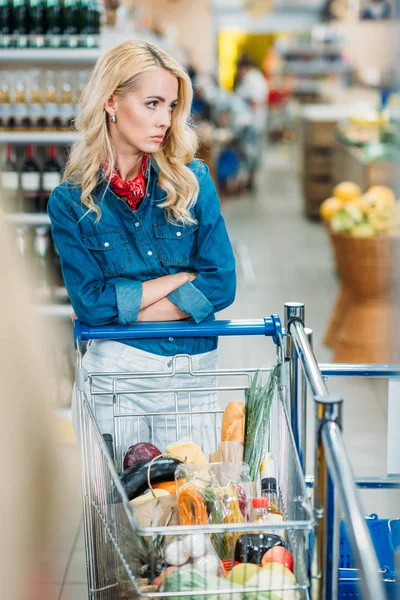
258,409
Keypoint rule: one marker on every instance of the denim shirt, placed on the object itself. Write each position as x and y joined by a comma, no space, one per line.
104,264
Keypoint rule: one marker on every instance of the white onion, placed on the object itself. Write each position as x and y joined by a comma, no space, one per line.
196,545
175,554
208,564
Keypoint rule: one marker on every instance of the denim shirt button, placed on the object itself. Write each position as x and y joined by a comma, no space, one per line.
137,224
106,244
150,253
171,339
178,233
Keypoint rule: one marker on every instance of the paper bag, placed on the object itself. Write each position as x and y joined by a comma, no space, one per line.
158,512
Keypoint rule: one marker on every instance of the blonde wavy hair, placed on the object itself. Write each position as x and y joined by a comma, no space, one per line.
118,72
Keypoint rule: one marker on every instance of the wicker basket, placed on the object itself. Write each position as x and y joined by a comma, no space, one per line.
366,330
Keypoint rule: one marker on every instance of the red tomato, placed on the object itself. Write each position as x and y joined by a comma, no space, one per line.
278,554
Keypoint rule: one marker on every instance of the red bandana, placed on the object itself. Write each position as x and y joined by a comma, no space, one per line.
132,191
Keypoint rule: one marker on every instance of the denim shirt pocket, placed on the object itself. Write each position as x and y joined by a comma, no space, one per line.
176,244
111,250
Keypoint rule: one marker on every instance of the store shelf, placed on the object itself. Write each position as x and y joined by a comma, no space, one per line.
28,218
78,56
38,137
316,68
54,310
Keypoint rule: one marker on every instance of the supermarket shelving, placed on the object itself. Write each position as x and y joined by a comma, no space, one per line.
28,218
38,137
53,310
47,56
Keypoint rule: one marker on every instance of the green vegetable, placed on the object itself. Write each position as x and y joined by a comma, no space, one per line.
222,542
134,479
187,578
346,218
258,409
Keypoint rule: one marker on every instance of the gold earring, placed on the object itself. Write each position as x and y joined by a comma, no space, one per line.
113,119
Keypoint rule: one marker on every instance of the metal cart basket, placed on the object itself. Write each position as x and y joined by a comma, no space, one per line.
123,557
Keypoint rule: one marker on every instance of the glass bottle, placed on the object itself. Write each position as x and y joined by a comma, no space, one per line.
42,260
259,510
5,23
20,111
270,493
53,23
51,175
36,113
36,23
30,181
10,179
50,103
20,21
6,119
69,23
66,104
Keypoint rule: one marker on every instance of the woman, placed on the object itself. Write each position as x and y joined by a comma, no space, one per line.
138,227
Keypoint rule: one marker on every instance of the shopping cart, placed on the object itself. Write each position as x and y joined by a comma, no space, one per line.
123,554
124,557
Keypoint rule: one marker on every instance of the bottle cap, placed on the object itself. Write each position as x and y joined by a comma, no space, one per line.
260,502
269,484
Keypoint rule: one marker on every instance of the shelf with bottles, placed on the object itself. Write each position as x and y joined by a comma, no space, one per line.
39,254
49,24
40,100
28,177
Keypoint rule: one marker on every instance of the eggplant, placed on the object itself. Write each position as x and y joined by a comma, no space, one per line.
134,479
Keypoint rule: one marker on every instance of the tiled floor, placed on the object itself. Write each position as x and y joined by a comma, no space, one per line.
292,261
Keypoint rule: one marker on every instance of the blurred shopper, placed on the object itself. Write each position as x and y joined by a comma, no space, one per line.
27,503
377,9
138,226
252,87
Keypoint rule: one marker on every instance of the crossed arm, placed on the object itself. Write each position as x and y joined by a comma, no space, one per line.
155,305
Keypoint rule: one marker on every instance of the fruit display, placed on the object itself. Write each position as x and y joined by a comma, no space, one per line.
361,215
178,486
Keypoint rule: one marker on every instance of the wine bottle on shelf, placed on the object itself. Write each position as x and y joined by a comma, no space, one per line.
70,18
20,109
53,23
23,241
51,176
51,120
36,23
30,182
20,21
5,23
60,291
6,121
42,260
10,180
66,108
36,113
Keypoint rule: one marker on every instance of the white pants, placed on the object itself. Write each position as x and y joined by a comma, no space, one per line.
132,399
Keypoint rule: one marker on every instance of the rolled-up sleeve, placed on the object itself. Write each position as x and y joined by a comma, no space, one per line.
215,285
95,300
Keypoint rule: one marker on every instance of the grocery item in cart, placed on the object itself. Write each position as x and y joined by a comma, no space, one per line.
136,479
188,578
258,409
139,452
233,420
187,451
251,547
214,494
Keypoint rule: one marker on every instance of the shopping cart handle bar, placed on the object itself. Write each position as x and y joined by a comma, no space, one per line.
270,326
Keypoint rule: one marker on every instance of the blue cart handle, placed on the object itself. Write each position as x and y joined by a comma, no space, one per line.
180,329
